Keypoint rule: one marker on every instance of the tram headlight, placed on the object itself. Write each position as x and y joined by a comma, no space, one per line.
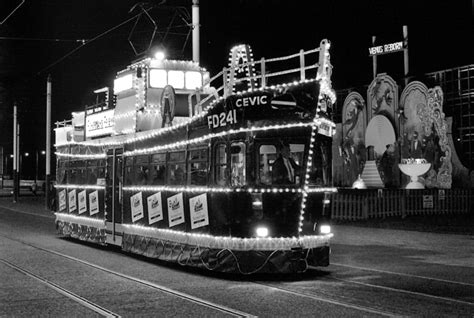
257,203
325,229
261,231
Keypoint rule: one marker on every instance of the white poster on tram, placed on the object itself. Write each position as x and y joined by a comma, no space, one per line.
94,202
72,201
199,213
62,200
81,197
155,208
175,209
136,204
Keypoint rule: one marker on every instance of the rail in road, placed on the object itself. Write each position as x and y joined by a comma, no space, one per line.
100,309
343,289
220,308
293,289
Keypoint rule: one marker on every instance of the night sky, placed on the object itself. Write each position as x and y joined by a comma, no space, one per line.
440,37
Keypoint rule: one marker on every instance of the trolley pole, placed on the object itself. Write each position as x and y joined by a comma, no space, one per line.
195,22
48,144
15,154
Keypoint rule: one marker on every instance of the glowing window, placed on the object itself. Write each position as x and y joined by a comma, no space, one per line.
123,83
158,78
176,79
220,165
237,163
267,154
193,80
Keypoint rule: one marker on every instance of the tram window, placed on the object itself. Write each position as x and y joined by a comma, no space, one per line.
81,176
267,155
128,171
142,170
198,166
158,168
287,172
320,170
80,171
158,157
176,173
101,169
71,172
176,168
62,173
72,176
237,164
92,172
220,167
177,156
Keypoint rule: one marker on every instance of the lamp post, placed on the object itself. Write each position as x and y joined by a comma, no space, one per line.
48,142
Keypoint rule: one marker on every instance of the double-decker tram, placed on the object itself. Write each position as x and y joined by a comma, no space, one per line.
232,179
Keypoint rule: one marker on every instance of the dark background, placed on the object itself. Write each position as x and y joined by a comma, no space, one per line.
440,37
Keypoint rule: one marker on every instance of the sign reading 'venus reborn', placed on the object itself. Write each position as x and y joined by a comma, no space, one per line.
386,48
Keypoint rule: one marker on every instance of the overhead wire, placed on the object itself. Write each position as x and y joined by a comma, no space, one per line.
41,39
11,13
89,41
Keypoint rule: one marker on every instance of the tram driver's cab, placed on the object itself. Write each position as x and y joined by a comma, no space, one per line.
283,162
280,162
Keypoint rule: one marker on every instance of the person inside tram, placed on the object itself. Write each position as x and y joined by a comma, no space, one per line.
142,175
157,176
285,169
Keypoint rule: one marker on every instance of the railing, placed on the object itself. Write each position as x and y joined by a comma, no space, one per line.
382,203
265,70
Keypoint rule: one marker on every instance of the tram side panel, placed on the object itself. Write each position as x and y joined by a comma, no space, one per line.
80,202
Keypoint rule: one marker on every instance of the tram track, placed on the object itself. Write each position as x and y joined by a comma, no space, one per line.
323,297
65,292
403,291
334,301
107,313
402,274
351,303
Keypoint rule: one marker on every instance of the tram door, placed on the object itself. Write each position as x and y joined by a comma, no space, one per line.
113,196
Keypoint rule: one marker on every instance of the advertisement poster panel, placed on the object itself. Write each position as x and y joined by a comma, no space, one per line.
199,213
81,196
175,210
94,202
72,201
155,209
136,204
62,200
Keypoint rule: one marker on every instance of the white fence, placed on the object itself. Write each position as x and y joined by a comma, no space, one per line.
380,203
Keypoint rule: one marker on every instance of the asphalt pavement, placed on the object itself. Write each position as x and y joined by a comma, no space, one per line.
421,264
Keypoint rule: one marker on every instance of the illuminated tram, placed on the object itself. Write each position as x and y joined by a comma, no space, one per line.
235,179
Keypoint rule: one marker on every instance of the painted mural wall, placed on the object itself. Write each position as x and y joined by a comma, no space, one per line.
392,128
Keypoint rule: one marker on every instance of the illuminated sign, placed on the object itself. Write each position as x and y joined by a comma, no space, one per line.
251,101
387,48
100,124
123,83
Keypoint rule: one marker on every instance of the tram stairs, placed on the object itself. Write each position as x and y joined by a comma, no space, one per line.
371,175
